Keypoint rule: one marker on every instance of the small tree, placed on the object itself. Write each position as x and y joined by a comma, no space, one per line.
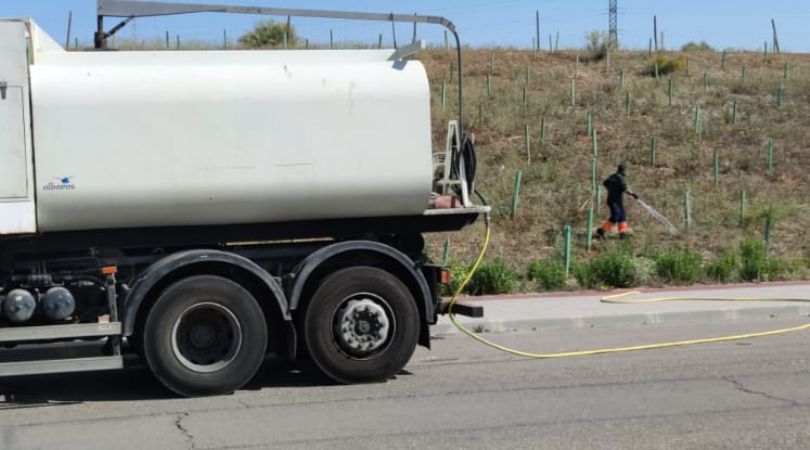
269,34
701,46
596,43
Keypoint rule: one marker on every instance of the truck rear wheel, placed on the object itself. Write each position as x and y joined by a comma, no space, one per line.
206,335
362,325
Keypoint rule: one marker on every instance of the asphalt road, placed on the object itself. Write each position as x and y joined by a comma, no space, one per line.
749,394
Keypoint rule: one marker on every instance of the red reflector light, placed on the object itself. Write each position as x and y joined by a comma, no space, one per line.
445,277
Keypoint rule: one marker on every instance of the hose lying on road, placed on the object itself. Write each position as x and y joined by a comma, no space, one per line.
615,299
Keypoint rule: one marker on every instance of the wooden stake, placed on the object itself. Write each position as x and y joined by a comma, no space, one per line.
669,92
444,95
687,210
573,92
543,130
627,105
734,112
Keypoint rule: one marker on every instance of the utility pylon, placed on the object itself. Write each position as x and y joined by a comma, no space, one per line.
613,36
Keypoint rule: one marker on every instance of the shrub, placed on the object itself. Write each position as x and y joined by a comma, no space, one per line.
777,269
679,266
613,268
645,270
268,34
753,259
596,43
548,275
723,267
702,46
666,65
492,278
584,276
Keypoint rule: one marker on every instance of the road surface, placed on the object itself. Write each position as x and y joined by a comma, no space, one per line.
750,394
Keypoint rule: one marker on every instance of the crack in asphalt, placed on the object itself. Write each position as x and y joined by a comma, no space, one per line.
178,423
741,387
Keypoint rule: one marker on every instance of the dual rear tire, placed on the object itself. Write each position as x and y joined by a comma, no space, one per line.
207,335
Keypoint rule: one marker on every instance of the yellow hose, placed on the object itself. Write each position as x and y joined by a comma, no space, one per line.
615,299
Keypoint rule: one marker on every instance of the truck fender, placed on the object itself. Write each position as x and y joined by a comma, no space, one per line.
313,261
148,279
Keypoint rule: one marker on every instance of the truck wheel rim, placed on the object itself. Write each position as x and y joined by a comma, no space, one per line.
364,326
206,337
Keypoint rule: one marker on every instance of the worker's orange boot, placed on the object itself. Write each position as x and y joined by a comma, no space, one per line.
623,228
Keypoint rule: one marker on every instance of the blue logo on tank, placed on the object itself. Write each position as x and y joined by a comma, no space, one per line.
62,184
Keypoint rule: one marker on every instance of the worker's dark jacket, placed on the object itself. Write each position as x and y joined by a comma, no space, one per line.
616,187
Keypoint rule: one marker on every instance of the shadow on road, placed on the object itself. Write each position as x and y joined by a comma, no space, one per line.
136,383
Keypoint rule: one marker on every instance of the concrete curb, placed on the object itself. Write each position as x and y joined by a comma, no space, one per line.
732,314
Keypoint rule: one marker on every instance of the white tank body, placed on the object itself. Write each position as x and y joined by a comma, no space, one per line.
154,139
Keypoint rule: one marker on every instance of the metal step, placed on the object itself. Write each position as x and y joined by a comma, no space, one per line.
462,309
52,332
61,366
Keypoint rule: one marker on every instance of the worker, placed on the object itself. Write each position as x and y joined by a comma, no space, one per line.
617,187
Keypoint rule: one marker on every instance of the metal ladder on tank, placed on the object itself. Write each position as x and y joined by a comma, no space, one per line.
66,334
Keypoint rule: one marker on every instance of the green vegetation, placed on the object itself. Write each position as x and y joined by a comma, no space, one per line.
492,278
611,268
665,65
596,44
677,265
723,268
702,46
269,34
557,185
547,275
753,260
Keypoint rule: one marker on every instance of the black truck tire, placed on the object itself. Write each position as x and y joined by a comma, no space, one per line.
205,335
361,325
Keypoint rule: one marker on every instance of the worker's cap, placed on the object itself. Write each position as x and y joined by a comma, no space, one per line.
622,168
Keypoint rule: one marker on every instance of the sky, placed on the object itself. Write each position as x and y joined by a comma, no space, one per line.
738,24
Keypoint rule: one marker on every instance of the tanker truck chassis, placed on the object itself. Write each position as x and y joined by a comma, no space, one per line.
271,202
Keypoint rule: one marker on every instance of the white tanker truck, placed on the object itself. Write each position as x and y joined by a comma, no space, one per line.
199,210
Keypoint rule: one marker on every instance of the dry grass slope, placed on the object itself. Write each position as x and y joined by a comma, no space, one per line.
557,183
